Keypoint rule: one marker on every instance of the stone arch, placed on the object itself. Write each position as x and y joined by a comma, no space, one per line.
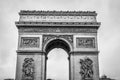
57,43
63,43
77,36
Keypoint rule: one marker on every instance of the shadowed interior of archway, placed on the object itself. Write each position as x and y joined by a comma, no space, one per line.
57,43
57,63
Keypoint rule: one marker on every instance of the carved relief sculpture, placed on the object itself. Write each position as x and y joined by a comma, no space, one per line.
28,69
85,42
66,37
86,69
27,42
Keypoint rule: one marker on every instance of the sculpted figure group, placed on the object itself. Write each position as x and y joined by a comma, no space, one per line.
86,69
28,69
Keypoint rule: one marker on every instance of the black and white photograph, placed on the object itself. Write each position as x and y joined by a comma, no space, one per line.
59,40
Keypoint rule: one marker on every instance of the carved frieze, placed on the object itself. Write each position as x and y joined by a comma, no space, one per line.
29,42
28,69
83,42
39,18
69,38
58,16
57,30
86,69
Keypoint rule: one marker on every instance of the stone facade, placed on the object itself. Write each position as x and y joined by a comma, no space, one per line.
41,31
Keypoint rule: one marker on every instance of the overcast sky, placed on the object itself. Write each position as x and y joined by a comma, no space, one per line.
108,34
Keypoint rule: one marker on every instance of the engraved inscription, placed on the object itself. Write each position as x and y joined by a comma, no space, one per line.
85,42
28,69
86,69
30,42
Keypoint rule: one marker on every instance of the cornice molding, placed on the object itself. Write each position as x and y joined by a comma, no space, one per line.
58,13
28,51
85,52
57,24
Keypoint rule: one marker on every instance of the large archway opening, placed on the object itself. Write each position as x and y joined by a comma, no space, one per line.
57,60
58,65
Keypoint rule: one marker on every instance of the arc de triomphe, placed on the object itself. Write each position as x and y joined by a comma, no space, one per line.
73,31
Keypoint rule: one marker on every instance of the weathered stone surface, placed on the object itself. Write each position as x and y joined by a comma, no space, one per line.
30,42
56,30
28,69
61,13
38,66
41,31
85,42
86,69
75,64
56,24
46,38
58,16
